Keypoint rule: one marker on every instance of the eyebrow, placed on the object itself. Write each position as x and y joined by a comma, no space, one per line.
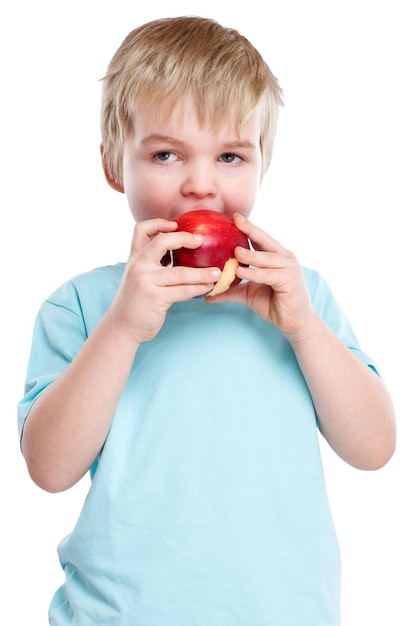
228,145
154,137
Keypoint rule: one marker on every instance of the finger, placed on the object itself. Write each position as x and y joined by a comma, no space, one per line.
185,283
161,241
182,293
164,243
262,276
259,238
265,259
183,239
145,230
184,276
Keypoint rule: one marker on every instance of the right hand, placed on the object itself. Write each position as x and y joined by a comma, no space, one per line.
148,288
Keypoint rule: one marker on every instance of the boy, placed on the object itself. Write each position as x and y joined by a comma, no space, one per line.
196,417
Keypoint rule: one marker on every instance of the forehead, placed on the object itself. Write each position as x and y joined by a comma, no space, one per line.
168,111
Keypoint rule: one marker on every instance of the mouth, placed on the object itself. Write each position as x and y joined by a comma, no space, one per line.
195,207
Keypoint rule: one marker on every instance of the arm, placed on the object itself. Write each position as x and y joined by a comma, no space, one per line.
354,409
353,406
68,423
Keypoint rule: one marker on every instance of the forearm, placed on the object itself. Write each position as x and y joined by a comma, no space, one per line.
69,422
354,409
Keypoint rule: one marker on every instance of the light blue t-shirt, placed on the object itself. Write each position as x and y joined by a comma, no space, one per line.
207,505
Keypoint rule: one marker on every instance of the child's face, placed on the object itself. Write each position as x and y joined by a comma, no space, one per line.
172,165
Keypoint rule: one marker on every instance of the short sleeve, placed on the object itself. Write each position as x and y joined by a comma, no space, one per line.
62,325
332,313
58,335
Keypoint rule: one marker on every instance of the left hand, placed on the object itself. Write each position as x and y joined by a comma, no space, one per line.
276,289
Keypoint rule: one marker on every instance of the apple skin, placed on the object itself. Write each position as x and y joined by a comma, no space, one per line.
220,238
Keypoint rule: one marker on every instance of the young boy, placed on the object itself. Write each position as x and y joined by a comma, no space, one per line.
196,417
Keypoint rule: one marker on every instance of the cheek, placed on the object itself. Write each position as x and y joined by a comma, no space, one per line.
147,199
244,196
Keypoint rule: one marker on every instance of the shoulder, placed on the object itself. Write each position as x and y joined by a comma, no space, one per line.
84,297
311,276
316,284
323,299
100,280
97,277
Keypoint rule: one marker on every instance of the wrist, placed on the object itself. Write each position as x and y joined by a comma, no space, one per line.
306,330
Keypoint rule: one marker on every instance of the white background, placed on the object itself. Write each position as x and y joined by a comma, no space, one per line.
341,193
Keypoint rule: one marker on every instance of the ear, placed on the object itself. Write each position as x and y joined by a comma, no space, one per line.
109,177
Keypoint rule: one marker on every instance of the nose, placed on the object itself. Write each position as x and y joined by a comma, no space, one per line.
200,180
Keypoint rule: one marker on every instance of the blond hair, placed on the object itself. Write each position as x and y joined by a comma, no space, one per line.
171,58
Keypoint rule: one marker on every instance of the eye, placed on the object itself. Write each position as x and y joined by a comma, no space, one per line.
229,157
165,157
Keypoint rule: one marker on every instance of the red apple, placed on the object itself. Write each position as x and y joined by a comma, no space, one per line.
220,238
